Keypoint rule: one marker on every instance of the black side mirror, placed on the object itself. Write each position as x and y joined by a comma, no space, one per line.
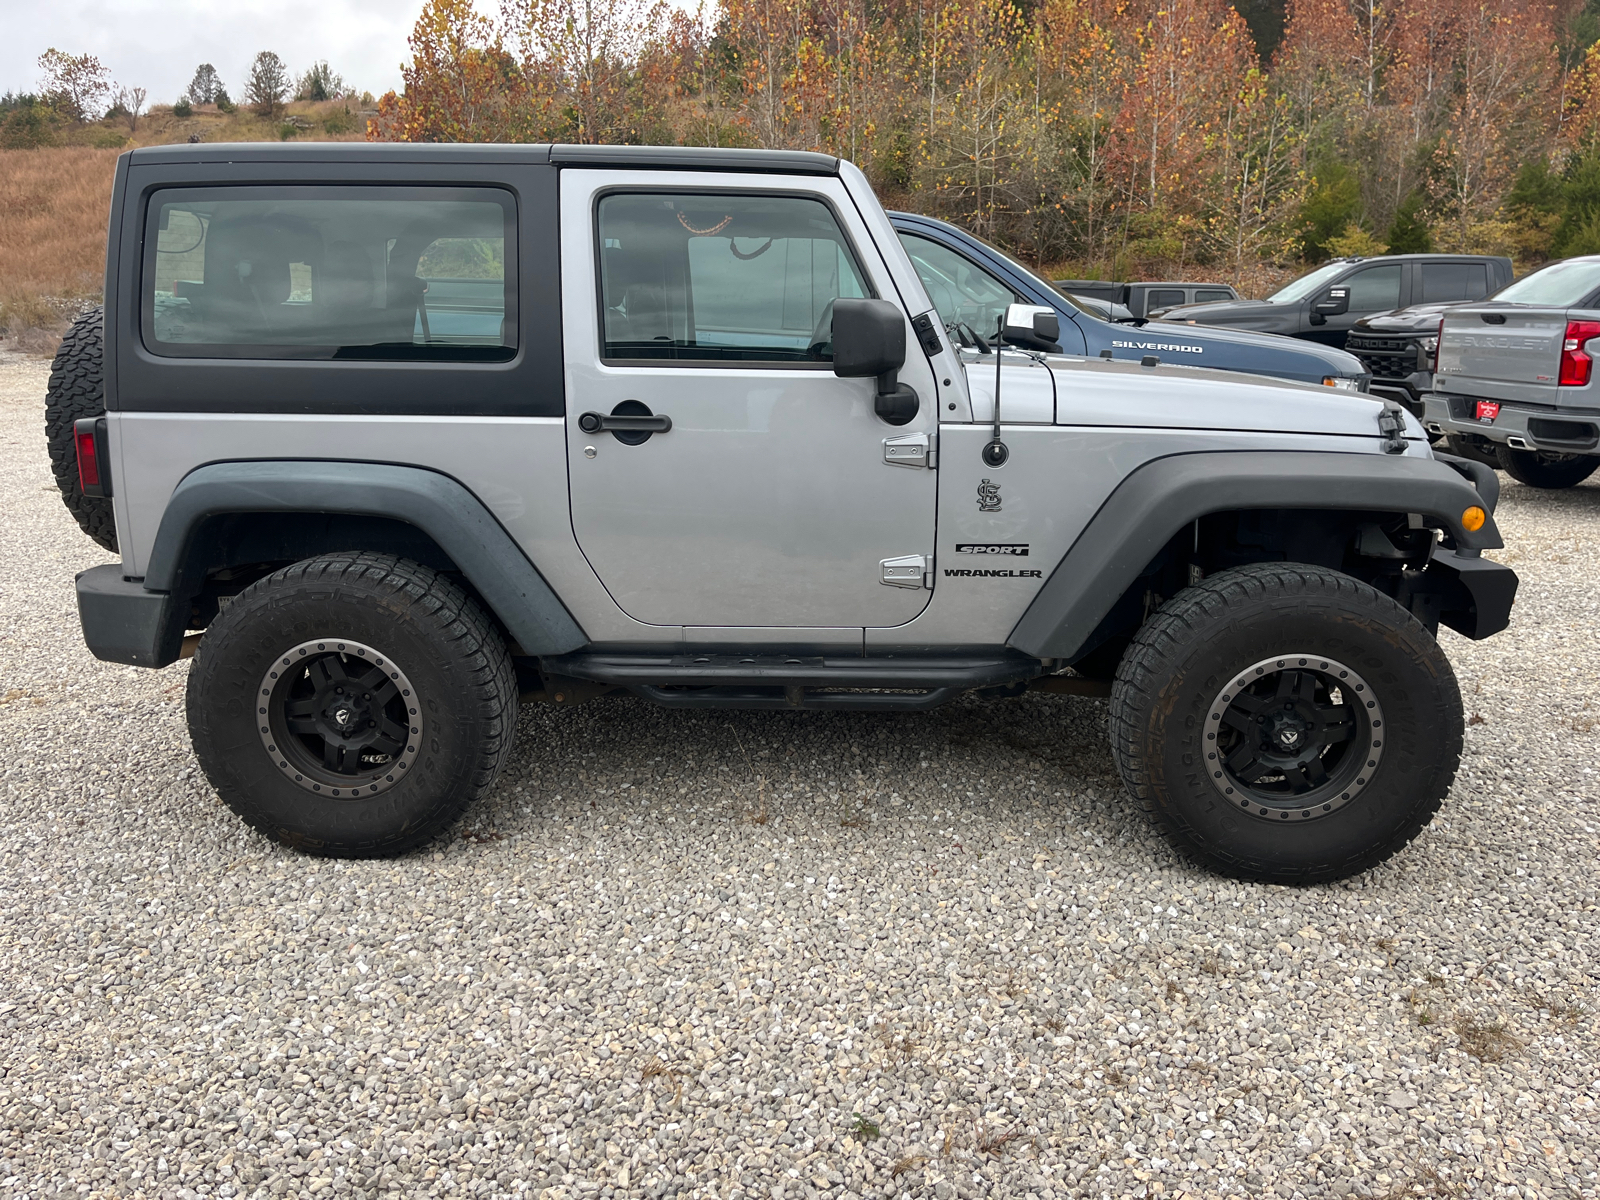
1034,327
1335,303
869,338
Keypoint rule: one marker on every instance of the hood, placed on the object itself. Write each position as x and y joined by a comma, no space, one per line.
1093,391
1220,312
1263,346
1419,318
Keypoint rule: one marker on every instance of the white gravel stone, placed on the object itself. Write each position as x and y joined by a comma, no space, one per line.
785,955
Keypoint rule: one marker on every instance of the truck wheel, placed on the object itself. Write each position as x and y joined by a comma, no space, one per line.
352,705
1286,723
1546,469
77,389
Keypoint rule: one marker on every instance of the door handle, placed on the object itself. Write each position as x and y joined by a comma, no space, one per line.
593,422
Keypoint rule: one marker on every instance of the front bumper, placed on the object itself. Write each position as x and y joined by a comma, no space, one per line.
123,623
1561,431
1471,595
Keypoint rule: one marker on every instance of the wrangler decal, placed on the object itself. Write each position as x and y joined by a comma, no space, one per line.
976,573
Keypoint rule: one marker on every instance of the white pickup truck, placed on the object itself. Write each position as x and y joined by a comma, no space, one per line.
1516,377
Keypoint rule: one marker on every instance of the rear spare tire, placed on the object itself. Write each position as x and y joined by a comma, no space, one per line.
1286,723
352,705
77,389
1545,468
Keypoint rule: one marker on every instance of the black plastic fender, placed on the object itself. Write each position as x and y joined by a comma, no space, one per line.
1154,502
142,623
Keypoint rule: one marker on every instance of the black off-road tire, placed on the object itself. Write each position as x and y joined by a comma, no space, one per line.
1543,469
1189,655
462,688
77,389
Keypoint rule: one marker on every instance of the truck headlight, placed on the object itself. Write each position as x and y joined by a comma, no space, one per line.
1342,383
1429,344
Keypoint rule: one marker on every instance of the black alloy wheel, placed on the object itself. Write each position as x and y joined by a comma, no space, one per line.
1294,737
338,717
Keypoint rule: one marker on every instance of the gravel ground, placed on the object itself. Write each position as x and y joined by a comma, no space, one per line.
785,955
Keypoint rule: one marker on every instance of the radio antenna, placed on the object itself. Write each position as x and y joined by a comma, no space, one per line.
996,452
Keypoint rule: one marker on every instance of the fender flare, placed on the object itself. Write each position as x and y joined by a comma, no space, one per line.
434,503
1162,496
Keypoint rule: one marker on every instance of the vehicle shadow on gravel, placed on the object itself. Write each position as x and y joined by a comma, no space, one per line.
1038,758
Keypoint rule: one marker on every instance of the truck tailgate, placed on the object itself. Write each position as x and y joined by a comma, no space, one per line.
1513,355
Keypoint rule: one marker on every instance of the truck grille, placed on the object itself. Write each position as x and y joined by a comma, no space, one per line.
1385,357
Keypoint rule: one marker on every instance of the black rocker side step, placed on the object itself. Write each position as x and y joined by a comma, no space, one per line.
783,673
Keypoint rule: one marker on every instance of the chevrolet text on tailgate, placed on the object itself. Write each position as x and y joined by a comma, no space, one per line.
1515,382
395,438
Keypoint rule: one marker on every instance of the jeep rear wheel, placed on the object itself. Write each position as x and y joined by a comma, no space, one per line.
1545,468
352,705
1286,723
77,389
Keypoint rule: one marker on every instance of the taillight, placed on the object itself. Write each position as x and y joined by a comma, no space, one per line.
1576,365
89,436
1438,340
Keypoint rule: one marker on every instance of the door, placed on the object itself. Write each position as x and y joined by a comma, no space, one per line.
707,302
1373,289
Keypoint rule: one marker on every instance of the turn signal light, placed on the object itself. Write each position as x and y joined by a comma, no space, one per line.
1576,365
1473,518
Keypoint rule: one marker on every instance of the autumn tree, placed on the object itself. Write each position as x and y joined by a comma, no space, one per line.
1505,65
75,85
129,105
460,85
583,56
1084,52
267,86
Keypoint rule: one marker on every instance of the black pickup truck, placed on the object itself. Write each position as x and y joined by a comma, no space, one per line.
1323,305
1150,298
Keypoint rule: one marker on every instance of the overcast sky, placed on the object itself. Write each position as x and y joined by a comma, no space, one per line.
156,44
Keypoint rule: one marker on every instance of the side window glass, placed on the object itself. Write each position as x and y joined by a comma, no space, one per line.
722,277
1454,281
1165,298
1206,295
331,273
1376,289
962,292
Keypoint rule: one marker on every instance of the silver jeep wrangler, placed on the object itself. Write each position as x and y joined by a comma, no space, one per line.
393,437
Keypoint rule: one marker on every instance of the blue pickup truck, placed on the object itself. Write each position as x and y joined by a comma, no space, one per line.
972,282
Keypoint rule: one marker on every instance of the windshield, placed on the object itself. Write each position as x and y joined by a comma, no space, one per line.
1306,284
1077,302
1563,284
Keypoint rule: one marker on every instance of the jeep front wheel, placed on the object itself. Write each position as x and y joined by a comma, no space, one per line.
352,705
1286,723
1546,468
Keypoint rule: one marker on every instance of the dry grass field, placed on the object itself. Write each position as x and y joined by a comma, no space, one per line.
54,204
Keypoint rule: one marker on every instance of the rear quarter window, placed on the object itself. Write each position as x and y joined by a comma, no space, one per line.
1454,281
330,273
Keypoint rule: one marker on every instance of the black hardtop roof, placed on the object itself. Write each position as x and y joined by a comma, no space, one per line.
671,158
